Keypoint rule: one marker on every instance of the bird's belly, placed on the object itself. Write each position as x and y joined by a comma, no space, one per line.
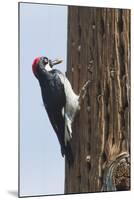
72,106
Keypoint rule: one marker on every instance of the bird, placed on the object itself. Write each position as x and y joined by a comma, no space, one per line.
60,101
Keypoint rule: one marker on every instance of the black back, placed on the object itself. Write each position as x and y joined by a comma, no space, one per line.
54,100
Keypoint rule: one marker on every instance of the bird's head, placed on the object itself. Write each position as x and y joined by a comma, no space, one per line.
46,63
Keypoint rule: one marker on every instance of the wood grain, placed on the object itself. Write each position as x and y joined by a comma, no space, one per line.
99,50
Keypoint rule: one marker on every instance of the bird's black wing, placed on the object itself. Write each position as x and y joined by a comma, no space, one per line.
54,100
58,124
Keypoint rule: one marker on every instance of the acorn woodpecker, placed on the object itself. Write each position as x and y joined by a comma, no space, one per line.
59,99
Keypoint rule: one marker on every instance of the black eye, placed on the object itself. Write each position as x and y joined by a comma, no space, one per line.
45,60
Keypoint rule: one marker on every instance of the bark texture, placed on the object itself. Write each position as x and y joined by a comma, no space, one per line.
99,50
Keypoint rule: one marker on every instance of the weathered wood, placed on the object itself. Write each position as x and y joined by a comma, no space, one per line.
99,50
117,174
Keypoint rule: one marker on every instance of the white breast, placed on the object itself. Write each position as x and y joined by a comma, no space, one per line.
72,103
71,107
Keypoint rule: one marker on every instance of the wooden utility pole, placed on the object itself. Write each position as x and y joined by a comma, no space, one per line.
99,50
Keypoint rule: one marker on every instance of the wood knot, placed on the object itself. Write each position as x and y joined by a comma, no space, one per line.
79,66
72,69
124,80
112,73
88,158
88,108
79,48
91,62
99,97
93,26
73,43
90,66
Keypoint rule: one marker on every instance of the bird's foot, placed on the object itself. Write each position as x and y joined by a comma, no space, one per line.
83,92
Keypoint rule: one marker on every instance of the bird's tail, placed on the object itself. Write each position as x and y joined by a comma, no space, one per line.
69,154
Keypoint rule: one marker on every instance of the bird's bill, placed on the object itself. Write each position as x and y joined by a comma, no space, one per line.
56,61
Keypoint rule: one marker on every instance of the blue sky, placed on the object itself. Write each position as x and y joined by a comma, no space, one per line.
43,32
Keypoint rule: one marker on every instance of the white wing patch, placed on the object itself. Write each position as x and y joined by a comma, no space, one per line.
68,130
63,112
72,105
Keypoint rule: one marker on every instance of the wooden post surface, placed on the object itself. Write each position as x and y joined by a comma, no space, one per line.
99,50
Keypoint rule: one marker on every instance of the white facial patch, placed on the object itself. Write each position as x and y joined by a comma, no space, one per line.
47,67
